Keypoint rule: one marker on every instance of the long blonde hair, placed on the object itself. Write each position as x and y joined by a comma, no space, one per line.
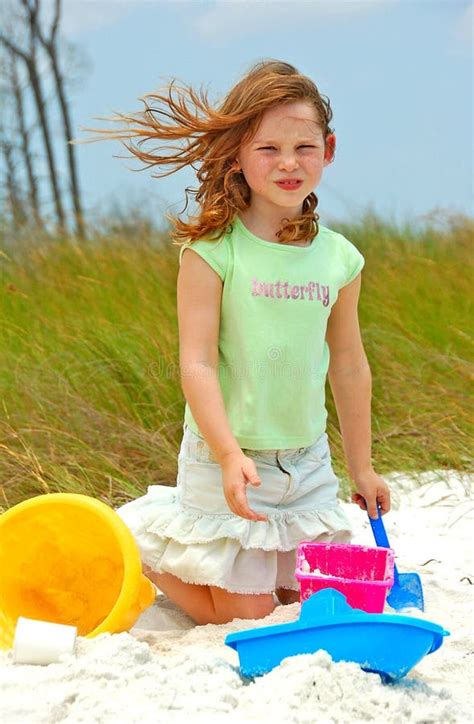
212,138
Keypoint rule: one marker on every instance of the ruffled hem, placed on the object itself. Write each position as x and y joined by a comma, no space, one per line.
225,550
160,514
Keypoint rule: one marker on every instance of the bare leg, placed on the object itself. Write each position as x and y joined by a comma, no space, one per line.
241,605
287,596
211,604
193,599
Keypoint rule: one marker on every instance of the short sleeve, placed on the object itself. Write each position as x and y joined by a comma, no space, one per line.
215,253
353,262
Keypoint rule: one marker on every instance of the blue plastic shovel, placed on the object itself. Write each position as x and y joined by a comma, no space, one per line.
406,591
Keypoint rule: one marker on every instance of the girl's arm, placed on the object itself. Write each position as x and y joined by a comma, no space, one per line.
351,385
199,306
199,294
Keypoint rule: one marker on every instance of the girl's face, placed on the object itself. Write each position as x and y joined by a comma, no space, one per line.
288,144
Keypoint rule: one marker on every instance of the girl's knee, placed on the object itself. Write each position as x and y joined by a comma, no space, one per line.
228,606
211,604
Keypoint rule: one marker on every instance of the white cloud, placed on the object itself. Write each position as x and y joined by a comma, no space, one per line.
463,30
226,20
82,16
219,20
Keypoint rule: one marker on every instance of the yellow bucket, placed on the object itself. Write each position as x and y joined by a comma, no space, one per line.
70,559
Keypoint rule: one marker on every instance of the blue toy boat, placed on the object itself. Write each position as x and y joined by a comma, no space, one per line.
389,645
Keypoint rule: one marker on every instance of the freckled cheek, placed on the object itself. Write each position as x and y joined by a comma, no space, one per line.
265,168
314,170
261,174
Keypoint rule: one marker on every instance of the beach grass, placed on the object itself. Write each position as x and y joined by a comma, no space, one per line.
90,393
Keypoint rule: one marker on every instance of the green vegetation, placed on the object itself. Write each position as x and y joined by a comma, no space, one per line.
90,397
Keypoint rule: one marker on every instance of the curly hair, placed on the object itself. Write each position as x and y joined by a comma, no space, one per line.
212,137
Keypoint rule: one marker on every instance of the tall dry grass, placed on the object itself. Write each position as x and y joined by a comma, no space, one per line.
89,380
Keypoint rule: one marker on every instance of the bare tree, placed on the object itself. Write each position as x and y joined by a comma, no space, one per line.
26,152
29,57
50,45
14,194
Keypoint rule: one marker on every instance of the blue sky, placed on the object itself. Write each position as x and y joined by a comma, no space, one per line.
398,74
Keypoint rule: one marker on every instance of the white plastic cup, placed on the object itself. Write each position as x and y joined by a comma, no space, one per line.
42,642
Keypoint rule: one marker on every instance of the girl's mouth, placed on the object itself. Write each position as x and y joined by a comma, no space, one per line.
289,186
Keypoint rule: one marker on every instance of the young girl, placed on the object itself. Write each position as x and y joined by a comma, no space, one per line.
267,308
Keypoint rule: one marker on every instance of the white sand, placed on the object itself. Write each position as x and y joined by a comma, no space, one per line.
168,670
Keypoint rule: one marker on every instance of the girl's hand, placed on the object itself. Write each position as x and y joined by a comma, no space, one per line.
238,471
373,489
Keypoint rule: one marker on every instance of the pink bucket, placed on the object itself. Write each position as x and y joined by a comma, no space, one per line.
363,574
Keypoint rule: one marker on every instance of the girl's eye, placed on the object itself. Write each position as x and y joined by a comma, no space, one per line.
272,148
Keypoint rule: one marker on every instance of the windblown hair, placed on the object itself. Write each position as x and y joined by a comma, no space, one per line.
212,138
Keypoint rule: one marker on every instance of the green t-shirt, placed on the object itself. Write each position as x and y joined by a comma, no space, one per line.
273,357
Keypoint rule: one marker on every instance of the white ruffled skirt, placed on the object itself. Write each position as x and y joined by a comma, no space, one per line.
189,530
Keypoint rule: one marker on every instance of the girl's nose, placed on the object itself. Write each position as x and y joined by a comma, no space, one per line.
288,162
